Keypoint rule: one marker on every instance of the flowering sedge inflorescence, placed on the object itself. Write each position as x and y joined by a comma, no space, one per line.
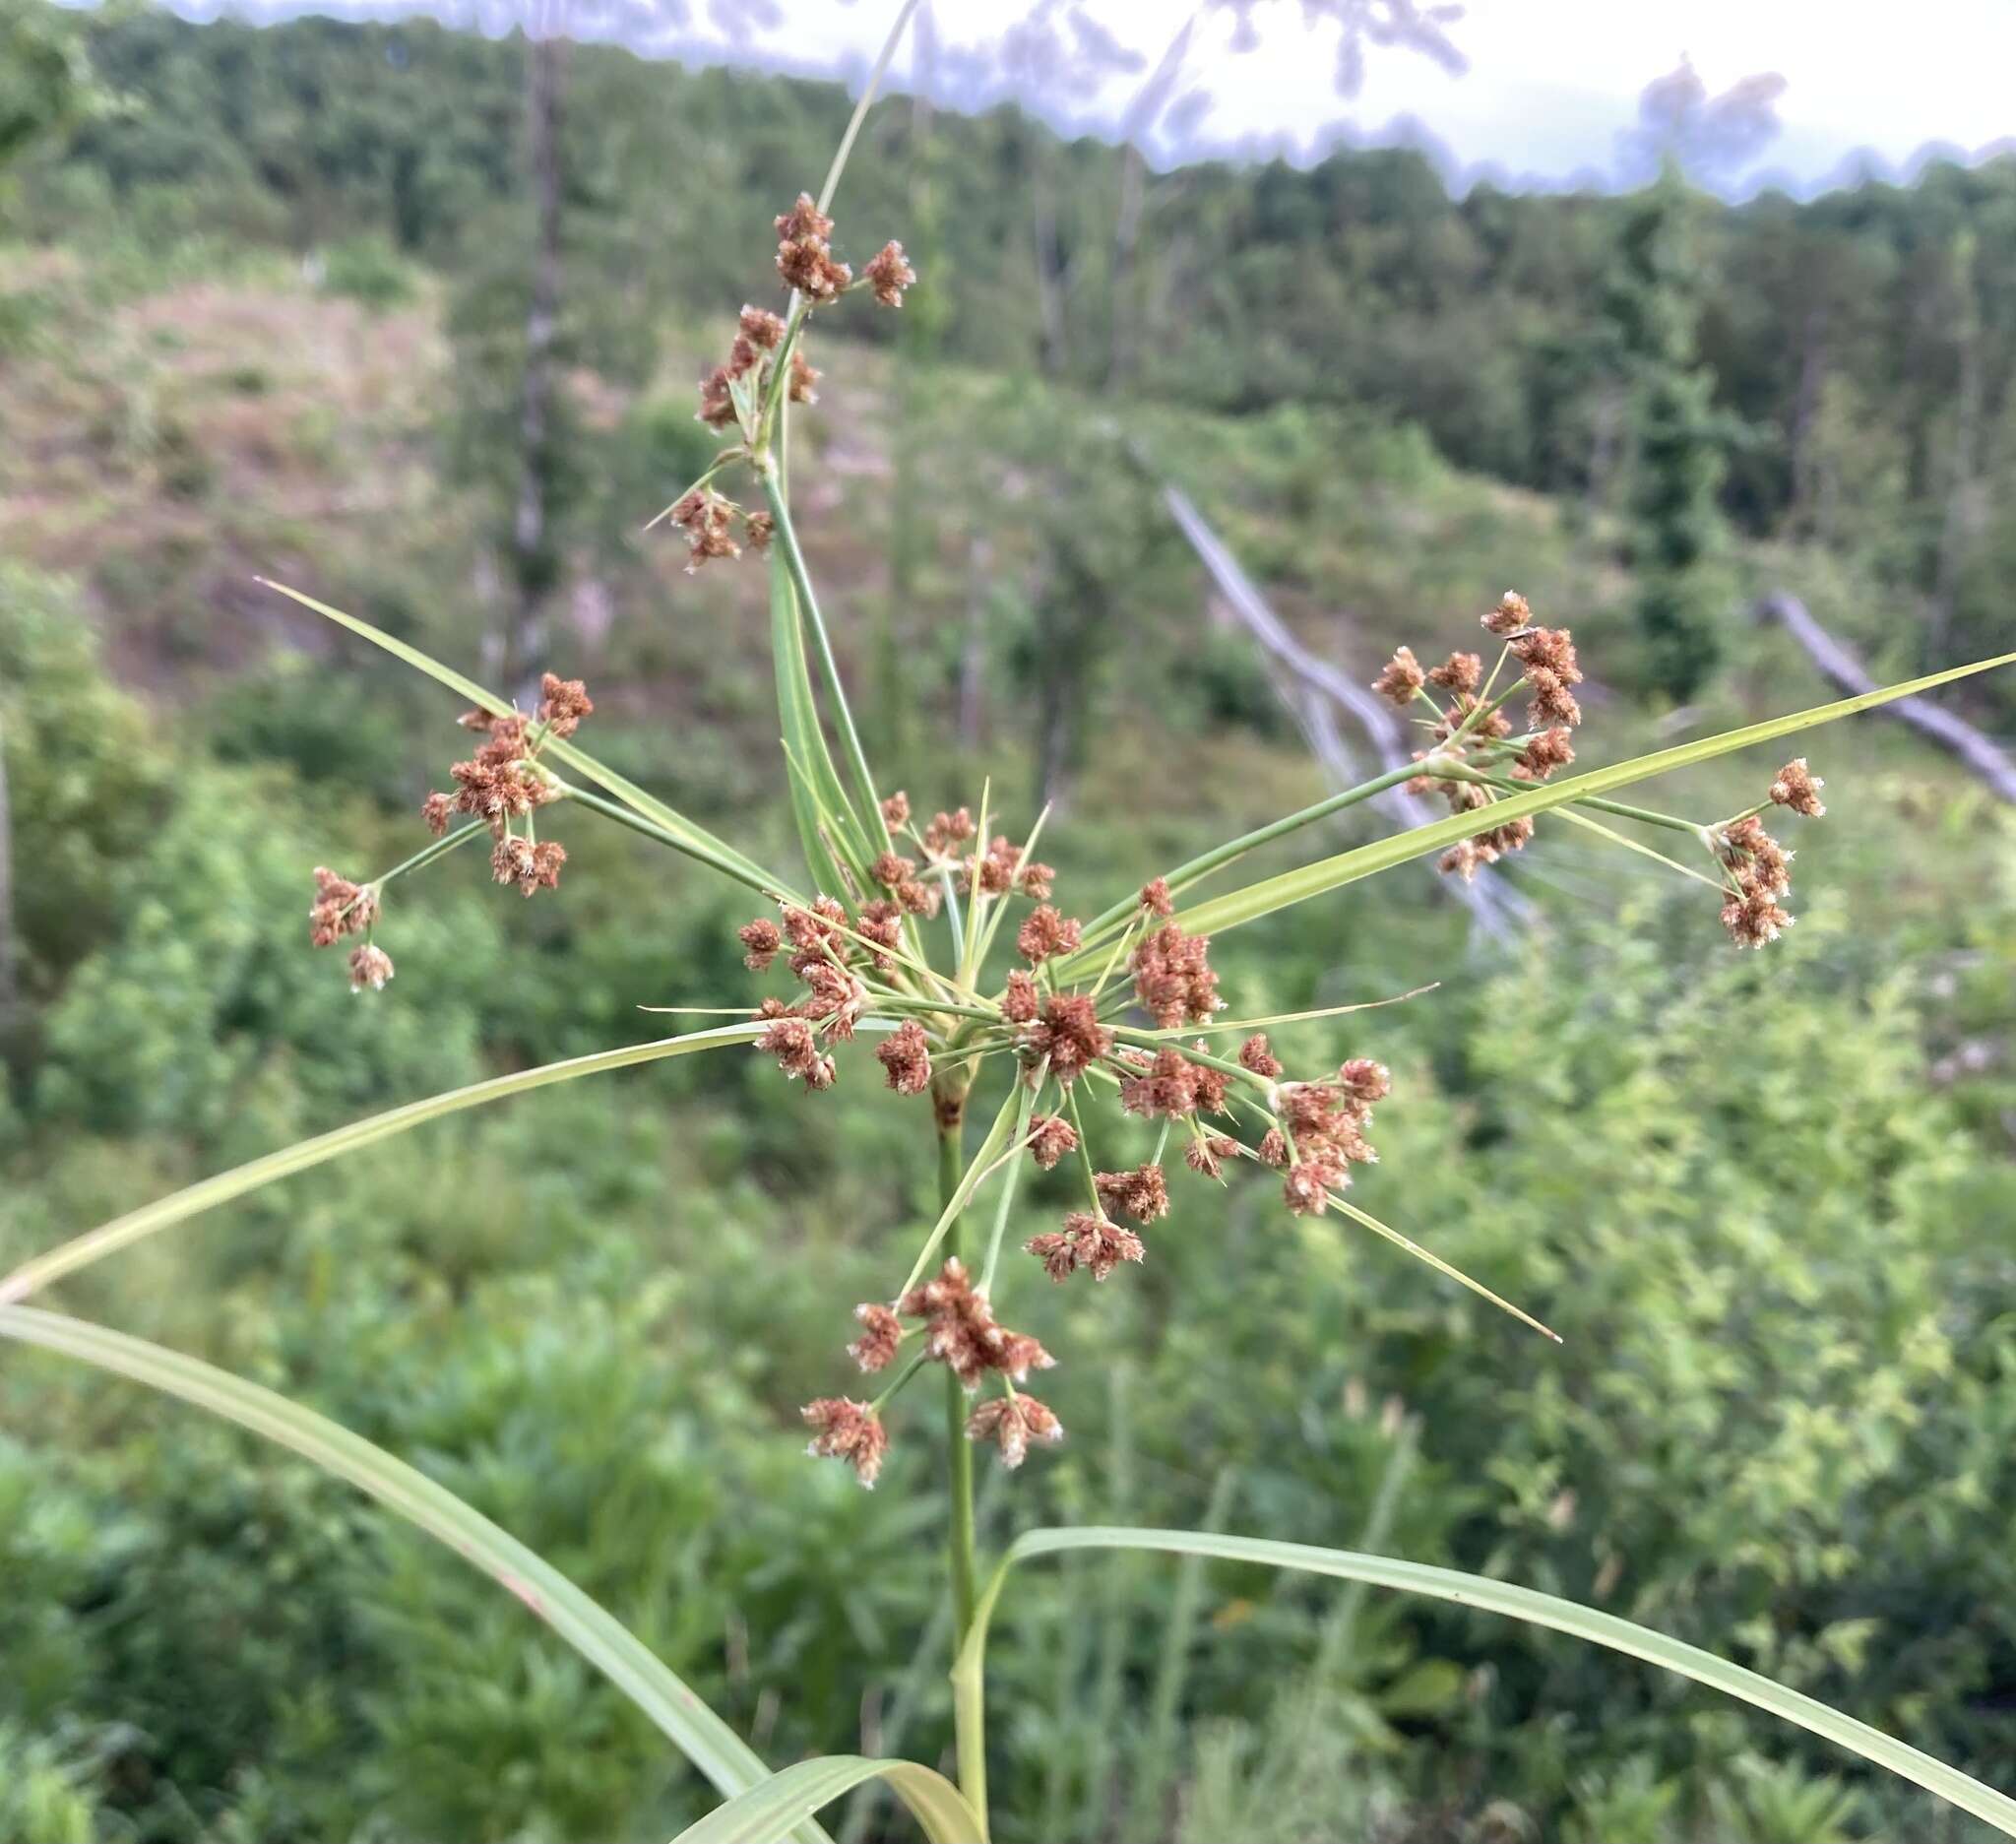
1475,761
767,359
1133,1010
1126,1005
501,786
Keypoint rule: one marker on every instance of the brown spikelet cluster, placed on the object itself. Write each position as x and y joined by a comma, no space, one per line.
1068,1036
1087,1241
1142,1194
847,1431
888,273
905,1055
1798,787
1011,1423
1401,678
961,1331
533,865
340,907
1172,978
1050,1138
1044,933
369,967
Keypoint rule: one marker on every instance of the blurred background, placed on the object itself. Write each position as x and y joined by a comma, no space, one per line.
1250,343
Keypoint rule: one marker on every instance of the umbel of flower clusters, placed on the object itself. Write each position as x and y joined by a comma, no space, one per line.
1475,761
1138,1015
500,788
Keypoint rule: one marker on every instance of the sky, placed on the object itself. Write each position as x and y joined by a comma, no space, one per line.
1529,91
1551,84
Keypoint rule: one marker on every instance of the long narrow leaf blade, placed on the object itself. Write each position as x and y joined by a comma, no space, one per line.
631,1666
1535,1609
1327,875
695,839
205,1194
787,1798
814,781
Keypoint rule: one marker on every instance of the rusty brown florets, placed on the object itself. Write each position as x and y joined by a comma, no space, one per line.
1759,872
896,810
1798,787
369,967
1207,1156
1020,1000
905,1055
1510,616
1401,678
1550,749
1256,1055
961,1332
1460,673
1044,933
708,520
847,1431
531,867
1050,1138
1142,1194
791,1041
1155,898
340,907
1012,1423
1172,978
1170,1086
804,257
887,274
881,1335
763,938
1085,1241
563,703
435,809
1070,1035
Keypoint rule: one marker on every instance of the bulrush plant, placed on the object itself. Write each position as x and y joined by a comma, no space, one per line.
936,955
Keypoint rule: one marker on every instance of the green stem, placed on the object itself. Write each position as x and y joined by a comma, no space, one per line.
1203,865
623,816
965,1570
786,537
427,854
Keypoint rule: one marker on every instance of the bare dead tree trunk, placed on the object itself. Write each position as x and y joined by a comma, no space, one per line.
1981,753
530,532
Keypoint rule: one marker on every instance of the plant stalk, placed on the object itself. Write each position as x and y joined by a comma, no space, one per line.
962,1551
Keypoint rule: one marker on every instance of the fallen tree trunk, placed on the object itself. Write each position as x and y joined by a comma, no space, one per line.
1983,756
1314,690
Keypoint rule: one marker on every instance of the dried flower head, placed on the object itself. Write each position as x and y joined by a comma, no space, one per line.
881,1334
1461,671
563,703
340,907
1401,678
1169,1088
1753,919
1142,1194
369,967
1510,616
763,938
1155,898
1050,1138
905,1055
1044,933
896,810
435,810
847,1431
1085,1241
1550,749
1798,787
889,273
1019,999
1012,1423
791,1041
1172,978
1070,1035
1254,1054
